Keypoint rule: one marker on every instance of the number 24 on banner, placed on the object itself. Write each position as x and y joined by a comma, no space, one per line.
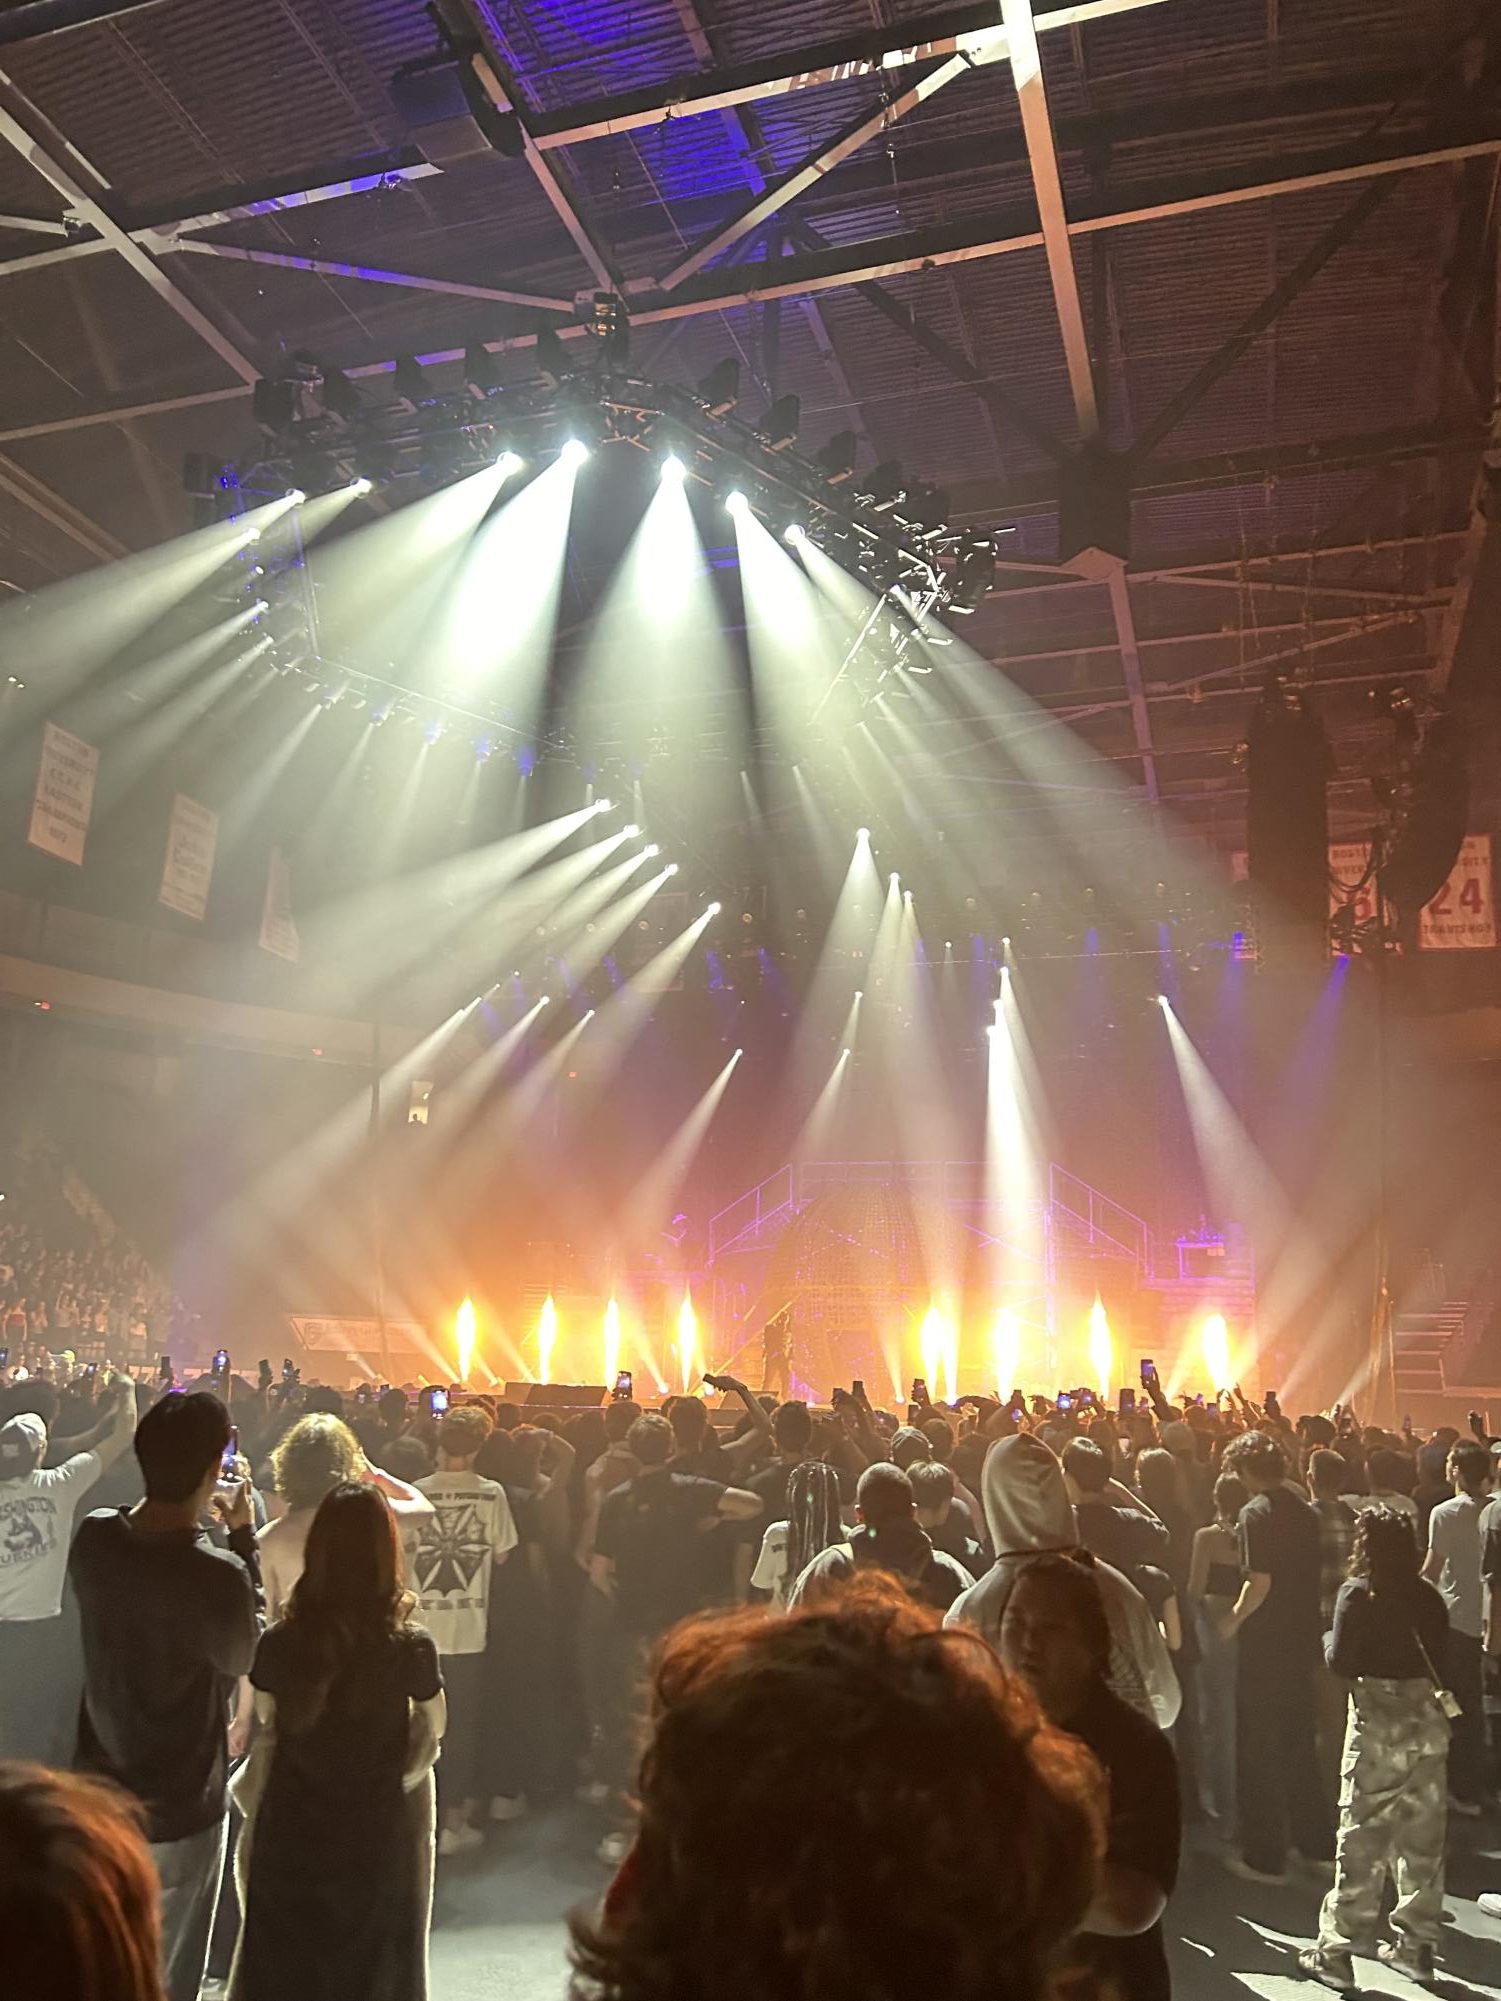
1462,917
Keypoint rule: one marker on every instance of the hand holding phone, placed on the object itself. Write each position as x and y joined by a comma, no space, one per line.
624,1387
439,1405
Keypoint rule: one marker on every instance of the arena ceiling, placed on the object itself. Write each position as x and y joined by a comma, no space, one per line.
1236,256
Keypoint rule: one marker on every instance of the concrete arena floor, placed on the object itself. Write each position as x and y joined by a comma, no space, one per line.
499,1921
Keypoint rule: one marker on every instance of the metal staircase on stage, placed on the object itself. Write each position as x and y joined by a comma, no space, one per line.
1080,1227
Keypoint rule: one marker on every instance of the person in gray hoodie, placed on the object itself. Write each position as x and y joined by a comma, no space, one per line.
1029,1513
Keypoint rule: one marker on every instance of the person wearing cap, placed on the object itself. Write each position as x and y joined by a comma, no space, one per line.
38,1665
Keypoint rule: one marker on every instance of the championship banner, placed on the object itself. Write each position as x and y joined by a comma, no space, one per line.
192,837
1461,918
278,925
343,1334
64,795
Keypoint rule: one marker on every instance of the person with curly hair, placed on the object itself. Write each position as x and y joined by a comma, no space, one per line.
1391,1641
335,1862
318,1454
793,1840
78,1893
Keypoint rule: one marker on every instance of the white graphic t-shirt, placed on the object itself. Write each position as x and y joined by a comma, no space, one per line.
36,1527
470,1526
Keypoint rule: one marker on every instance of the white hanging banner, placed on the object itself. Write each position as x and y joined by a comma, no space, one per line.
1462,917
278,925
64,795
192,837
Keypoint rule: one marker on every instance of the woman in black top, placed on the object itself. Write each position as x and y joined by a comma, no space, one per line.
1390,1638
336,1858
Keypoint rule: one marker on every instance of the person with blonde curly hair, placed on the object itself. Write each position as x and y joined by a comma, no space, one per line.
844,1803
319,1453
78,1892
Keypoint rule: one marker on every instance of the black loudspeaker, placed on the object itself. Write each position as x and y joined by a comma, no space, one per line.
1287,815
444,105
556,1396
1094,513
1435,823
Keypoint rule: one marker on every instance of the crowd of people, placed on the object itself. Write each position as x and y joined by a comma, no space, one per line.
81,1290
378,1623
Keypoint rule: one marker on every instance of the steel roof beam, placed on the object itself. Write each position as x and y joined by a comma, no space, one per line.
954,31
776,194
29,20
17,130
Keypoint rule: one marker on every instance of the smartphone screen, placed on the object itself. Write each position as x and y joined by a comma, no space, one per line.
221,1361
165,1371
4,1358
440,1402
287,1371
227,1469
624,1386
919,1390
1128,1399
1065,1401
1148,1370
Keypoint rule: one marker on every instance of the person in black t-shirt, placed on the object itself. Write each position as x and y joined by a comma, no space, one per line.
169,1623
1055,1634
1278,1623
648,1562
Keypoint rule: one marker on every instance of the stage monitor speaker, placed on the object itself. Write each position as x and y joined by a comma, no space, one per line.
556,1396
1094,513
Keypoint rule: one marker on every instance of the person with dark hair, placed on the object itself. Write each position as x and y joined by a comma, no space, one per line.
609,1470
934,1892
1110,1523
1453,1563
1278,1630
813,1522
646,1569
1055,1633
1389,1474
1028,1511
335,1861
38,1650
78,1895
792,1435
888,1540
943,1517
1214,1581
470,1531
1431,1484
169,1624
1389,1640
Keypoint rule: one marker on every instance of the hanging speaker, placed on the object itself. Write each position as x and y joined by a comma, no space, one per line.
1287,810
1433,828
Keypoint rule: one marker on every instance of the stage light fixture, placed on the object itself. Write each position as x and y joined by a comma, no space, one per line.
794,533
361,485
782,422
886,486
736,502
836,459
550,356
671,869
719,390
604,805
674,472
1164,1003
973,578
712,909
408,381
508,463
574,452
651,853
630,833
296,495
862,833
480,371
340,397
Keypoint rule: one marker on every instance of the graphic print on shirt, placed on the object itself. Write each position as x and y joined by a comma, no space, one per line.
28,1528
453,1552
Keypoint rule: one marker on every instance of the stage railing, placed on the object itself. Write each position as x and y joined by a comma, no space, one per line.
746,1215
1104,1224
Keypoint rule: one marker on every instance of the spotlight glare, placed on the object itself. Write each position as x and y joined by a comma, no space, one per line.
296,496
862,833
859,993
604,805
1164,1003
1006,943
361,485
630,832
509,462
650,854
673,469
793,533
736,502
712,910
574,452
590,1015
671,869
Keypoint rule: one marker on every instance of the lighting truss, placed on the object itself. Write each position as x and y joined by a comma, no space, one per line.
884,527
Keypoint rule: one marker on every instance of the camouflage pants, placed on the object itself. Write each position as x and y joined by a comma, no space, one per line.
1392,1814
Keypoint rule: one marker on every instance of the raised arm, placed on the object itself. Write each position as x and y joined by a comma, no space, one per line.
744,1448
407,1503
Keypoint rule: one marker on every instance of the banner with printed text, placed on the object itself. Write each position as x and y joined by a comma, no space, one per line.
64,795
278,925
192,836
1461,918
